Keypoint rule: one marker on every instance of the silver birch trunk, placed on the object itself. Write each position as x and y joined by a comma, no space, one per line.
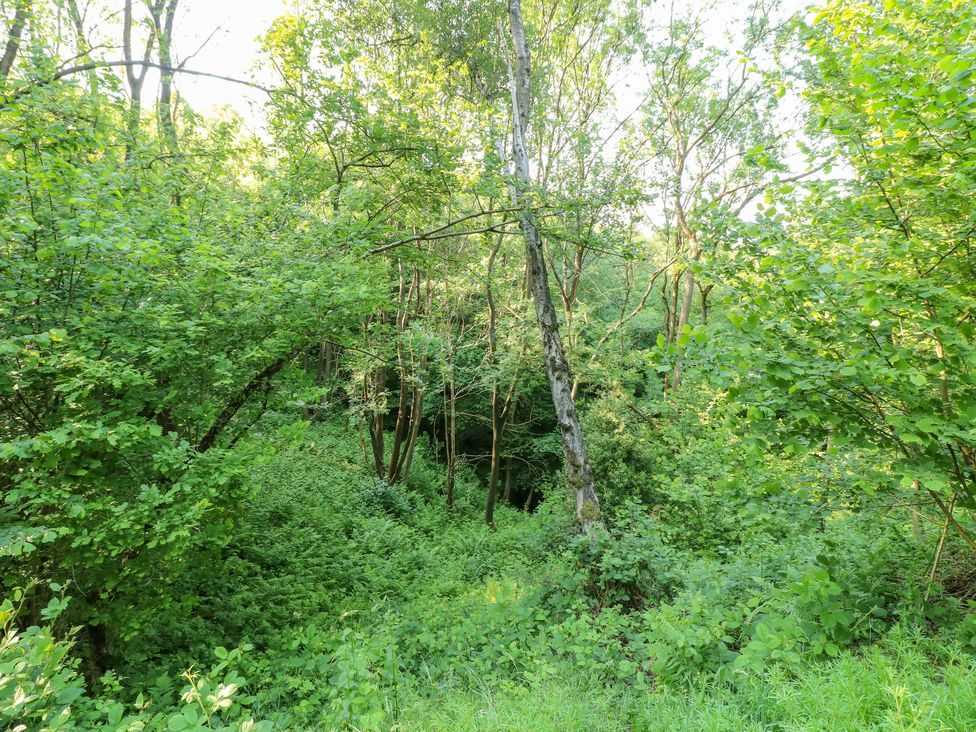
578,471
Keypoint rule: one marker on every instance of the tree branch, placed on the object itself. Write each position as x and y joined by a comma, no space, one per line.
37,84
239,399
441,232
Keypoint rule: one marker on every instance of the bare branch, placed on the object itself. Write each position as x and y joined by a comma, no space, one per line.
18,93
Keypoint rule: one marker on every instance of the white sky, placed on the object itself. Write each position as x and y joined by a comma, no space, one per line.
232,51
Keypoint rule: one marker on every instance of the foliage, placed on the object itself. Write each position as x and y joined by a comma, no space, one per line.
41,689
258,391
145,312
852,304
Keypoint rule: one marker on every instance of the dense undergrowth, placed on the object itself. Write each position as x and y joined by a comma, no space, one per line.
350,603
281,447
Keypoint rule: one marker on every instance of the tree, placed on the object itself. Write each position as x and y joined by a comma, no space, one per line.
140,339
163,17
713,147
854,302
135,72
577,466
14,33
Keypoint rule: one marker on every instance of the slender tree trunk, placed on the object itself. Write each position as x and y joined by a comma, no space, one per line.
578,470
673,309
163,22
231,408
704,303
81,41
424,295
416,415
916,515
507,497
683,317
666,306
687,297
497,426
135,79
404,417
98,656
941,545
322,364
497,410
400,429
376,434
13,38
450,417
306,411
450,439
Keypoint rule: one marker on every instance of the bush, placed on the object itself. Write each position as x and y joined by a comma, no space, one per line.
41,689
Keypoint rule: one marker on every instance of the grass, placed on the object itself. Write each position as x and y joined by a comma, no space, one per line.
906,683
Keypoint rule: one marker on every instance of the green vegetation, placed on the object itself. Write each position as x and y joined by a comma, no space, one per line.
483,391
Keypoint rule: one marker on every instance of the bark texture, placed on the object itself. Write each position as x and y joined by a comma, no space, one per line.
13,38
578,471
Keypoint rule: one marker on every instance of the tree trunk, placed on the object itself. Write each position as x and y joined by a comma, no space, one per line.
399,430
497,425
684,316
450,439
260,381
98,656
673,309
135,80
578,471
704,303
498,411
163,23
416,415
376,434
423,306
916,515
450,417
13,38
666,307
406,393
84,48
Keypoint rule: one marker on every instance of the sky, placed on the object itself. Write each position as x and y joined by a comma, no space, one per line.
223,36
233,28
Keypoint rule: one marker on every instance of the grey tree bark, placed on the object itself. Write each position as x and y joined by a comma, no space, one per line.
163,23
135,80
578,471
13,38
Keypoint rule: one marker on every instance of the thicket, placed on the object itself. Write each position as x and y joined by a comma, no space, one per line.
298,431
